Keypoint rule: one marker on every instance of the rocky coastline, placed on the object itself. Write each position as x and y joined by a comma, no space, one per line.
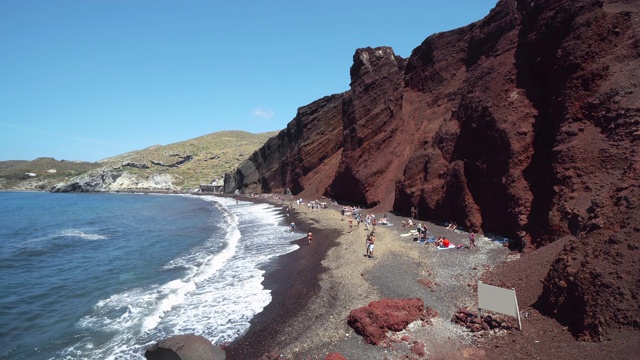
524,123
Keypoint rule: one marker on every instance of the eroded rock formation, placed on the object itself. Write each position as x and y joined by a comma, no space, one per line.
373,321
103,180
525,123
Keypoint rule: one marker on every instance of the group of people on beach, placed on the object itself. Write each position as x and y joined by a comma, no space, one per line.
370,221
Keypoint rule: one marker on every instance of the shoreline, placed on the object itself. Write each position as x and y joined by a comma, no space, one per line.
292,279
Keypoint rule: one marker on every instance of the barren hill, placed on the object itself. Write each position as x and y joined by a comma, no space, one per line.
179,166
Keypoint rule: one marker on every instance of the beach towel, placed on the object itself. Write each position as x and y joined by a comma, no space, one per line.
451,246
410,233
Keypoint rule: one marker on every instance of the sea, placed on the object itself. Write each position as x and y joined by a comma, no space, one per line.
104,275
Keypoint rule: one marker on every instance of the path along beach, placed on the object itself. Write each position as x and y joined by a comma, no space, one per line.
315,287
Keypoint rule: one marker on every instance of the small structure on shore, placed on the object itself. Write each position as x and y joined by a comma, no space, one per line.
210,188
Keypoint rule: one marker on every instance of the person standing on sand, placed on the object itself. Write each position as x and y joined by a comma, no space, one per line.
367,243
350,223
293,226
372,241
472,240
310,237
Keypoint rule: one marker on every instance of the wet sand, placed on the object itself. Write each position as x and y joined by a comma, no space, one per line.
293,281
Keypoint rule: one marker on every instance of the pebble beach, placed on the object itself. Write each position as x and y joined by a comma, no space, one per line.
316,287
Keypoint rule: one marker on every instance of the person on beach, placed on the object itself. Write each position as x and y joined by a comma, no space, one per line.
309,237
367,243
293,226
472,240
372,241
350,223
438,242
413,212
342,213
409,222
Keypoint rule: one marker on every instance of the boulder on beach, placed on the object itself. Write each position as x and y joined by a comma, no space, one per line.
185,347
374,320
335,356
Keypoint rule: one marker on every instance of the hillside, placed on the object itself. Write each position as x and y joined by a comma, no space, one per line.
179,166
45,172
523,124
209,157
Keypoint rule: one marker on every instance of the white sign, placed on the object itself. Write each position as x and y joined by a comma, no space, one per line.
498,299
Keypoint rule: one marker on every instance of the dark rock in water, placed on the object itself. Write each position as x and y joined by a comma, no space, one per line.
374,320
523,124
185,347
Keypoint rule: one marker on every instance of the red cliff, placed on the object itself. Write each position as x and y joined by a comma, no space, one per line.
525,123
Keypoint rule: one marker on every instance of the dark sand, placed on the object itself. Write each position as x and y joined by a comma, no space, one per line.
293,281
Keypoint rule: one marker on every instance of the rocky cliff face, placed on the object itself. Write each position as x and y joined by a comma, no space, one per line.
108,180
526,123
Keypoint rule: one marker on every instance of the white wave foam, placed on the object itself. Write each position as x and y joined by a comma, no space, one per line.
222,306
219,293
81,234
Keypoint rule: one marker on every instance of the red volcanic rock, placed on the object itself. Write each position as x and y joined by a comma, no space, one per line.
304,156
524,124
374,320
335,356
427,283
476,323
418,348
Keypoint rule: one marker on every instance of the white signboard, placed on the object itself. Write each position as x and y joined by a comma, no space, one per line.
498,299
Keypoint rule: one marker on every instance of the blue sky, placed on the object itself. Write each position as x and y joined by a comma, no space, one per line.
90,79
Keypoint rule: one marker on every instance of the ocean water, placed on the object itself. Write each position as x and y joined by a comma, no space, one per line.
101,276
